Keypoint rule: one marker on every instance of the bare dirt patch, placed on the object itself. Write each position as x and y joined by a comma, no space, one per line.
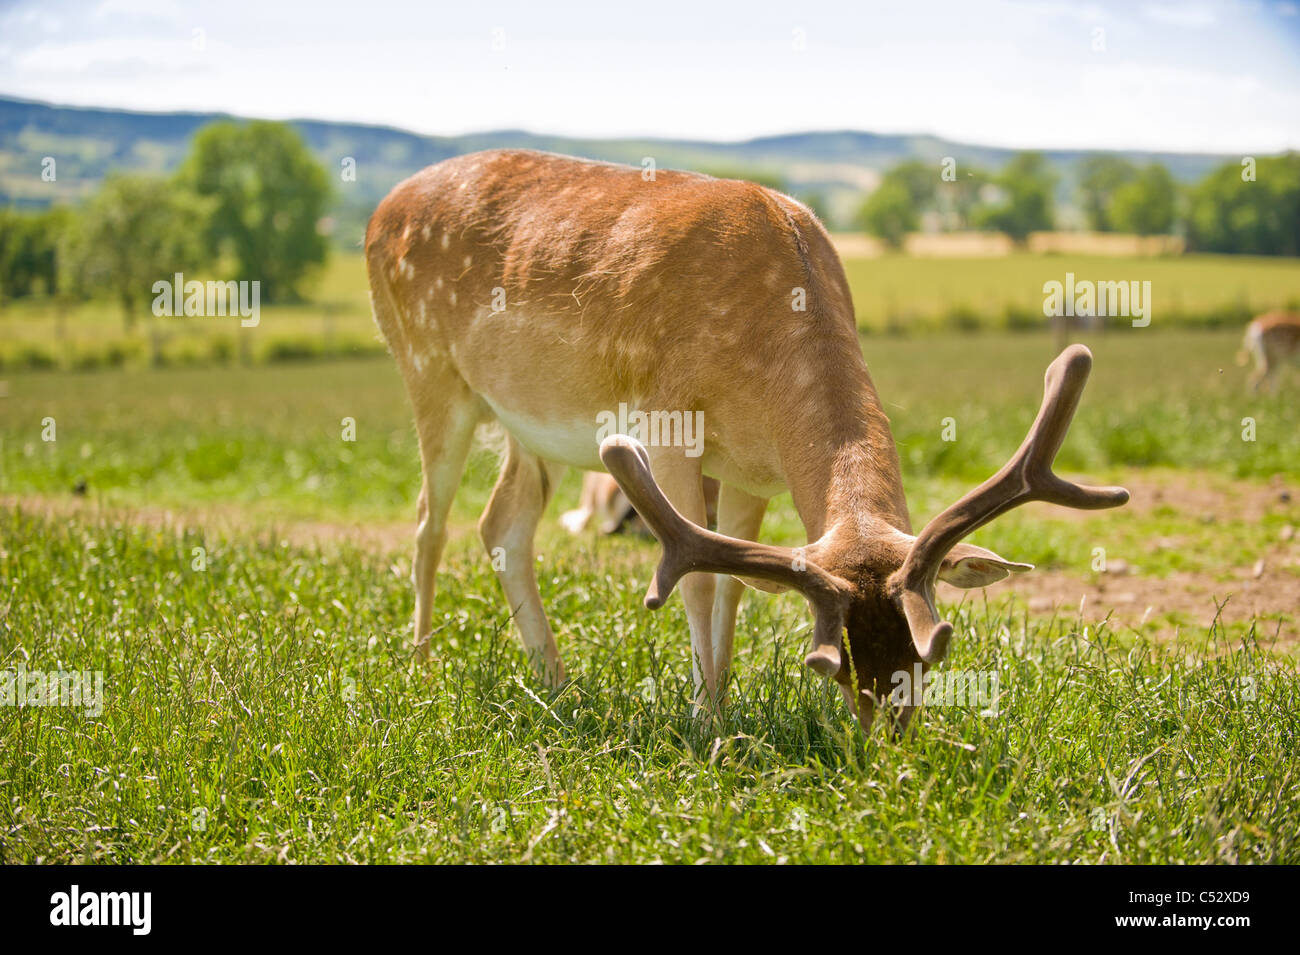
1272,599
228,521
1265,589
1199,495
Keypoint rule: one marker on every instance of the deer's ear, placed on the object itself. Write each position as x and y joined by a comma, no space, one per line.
968,566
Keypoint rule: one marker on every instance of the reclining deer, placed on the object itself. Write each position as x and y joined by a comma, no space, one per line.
603,501
542,291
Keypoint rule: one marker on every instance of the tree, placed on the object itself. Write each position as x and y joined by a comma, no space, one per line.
1099,179
30,248
889,212
135,231
1147,204
1232,212
268,194
1027,183
918,178
894,208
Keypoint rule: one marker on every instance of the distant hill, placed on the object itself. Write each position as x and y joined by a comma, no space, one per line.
835,167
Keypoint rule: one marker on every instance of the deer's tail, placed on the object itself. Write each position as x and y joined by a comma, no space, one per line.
1250,343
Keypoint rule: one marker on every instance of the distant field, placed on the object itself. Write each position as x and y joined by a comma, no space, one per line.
270,437
335,322
895,293
902,292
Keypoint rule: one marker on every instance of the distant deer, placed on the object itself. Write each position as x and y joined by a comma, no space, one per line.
1274,340
603,500
543,291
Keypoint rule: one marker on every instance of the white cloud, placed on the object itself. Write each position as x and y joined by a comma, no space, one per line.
162,9
1194,16
140,56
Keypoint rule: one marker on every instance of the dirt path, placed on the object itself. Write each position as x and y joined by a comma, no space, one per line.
1267,589
226,521
1272,599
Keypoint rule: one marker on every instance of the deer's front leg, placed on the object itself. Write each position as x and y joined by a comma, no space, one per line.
740,515
680,478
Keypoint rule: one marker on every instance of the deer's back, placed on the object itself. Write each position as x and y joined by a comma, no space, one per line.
558,287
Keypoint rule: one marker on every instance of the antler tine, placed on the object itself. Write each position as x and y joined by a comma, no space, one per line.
689,548
1026,477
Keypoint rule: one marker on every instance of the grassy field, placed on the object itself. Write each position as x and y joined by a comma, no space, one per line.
897,294
261,707
263,710
272,438
902,293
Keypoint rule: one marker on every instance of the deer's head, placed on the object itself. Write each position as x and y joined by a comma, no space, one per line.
870,585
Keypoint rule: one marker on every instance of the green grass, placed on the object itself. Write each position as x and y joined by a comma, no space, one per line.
263,710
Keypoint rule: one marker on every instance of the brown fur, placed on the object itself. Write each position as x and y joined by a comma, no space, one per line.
1274,340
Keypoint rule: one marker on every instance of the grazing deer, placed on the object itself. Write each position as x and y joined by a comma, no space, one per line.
1273,339
604,500
542,291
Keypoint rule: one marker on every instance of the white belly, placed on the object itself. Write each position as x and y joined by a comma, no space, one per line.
573,443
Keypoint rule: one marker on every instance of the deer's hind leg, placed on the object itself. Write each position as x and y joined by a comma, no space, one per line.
446,414
507,527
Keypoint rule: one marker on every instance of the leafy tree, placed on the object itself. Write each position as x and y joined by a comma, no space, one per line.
894,208
918,178
1099,178
890,212
1230,213
135,231
30,249
1147,204
268,194
1027,182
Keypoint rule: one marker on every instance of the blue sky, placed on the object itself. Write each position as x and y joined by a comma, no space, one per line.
1213,76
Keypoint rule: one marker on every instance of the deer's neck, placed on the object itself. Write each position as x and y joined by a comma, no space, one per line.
853,479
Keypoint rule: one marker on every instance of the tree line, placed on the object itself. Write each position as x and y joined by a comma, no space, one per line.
1251,207
248,201
245,204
